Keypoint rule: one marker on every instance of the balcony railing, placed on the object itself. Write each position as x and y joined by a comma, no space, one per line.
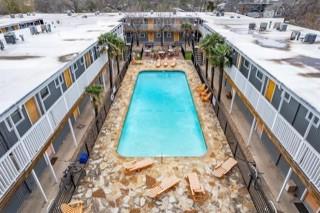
300,150
18,157
153,27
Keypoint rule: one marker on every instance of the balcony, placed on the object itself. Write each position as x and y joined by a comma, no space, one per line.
152,27
306,157
20,156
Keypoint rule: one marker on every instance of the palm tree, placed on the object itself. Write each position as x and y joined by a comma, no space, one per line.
187,29
221,57
95,92
115,46
207,44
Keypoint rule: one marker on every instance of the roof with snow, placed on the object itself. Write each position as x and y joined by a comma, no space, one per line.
27,64
294,63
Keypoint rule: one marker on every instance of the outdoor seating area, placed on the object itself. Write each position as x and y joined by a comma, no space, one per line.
117,184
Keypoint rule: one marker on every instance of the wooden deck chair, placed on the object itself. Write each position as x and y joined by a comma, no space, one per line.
197,191
206,98
173,63
158,64
136,166
165,185
73,207
223,168
201,88
204,92
165,63
136,62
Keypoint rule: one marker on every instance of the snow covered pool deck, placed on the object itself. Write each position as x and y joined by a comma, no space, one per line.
107,189
26,65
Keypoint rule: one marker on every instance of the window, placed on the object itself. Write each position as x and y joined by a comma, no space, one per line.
246,64
309,116
75,67
17,117
142,35
259,75
169,34
44,93
82,61
316,122
58,81
8,123
286,97
158,35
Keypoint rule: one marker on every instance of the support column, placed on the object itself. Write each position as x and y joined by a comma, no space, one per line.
304,194
284,184
74,139
46,157
232,100
39,185
251,131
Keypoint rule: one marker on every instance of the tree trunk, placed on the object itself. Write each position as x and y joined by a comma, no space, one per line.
207,64
220,82
161,32
110,69
137,39
185,41
118,65
212,77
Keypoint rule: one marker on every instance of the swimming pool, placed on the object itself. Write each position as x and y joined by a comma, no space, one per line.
161,119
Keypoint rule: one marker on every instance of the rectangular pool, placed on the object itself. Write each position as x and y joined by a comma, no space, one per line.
161,119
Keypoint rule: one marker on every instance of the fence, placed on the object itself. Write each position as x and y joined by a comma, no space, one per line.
66,192
249,173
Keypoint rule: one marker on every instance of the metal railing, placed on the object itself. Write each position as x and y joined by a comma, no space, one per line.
307,158
18,157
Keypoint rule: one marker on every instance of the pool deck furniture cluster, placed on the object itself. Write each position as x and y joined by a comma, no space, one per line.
125,193
204,92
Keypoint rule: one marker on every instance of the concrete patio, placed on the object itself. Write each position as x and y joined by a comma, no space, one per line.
106,189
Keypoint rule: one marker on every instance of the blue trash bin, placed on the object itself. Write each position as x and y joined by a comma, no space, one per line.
83,158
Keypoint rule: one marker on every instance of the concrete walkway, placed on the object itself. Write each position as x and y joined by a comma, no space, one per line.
273,178
66,154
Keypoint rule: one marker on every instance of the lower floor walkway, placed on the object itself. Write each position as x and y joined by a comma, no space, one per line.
272,177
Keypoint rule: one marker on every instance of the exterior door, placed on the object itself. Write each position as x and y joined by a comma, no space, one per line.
88,60
176,36
32,109
150,36
76,113
67,77
312,202
150,23
270,90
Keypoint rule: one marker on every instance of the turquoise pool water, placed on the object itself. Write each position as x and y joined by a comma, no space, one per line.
161,119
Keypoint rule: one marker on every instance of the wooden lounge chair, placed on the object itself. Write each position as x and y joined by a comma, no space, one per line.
73,207
136,62
204,92
173,63
201,88
206,98
223,168
135,166
164,186
165,63
197,191
158,64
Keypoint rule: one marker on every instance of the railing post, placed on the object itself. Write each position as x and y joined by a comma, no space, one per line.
251,131
39,185
74,139
46,157
232,100
284,184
